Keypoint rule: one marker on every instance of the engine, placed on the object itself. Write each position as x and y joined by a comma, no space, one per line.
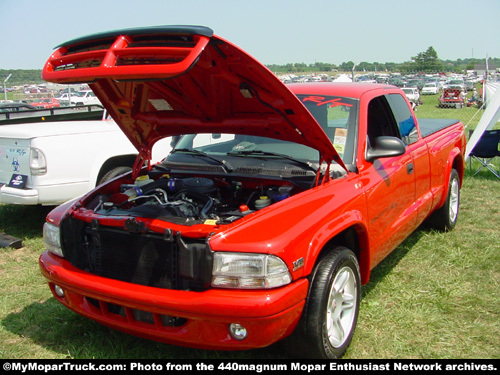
192,199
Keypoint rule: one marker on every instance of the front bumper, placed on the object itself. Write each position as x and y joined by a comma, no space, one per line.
202,318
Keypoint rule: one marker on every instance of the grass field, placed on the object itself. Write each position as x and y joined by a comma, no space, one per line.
436,296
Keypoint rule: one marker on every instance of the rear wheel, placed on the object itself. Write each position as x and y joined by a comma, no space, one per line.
445,218
331,312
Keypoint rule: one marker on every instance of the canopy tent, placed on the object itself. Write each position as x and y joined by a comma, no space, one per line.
490,116
343,78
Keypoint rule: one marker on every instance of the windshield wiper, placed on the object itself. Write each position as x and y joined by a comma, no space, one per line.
190,151
264,154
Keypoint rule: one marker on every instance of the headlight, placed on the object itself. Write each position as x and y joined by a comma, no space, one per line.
52,239
249,271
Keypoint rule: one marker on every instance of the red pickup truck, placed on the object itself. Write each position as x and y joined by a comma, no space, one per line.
269,213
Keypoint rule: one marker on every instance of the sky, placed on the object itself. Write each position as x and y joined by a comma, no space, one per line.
272,31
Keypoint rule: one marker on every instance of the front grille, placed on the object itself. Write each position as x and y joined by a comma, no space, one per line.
138,257
135,258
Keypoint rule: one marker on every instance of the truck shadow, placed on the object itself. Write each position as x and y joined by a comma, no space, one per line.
66,334
23,221
387,264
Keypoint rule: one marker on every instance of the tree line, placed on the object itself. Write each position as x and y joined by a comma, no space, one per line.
21,77
424,62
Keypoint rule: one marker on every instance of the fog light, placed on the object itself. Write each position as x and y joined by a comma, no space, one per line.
237,331
59,291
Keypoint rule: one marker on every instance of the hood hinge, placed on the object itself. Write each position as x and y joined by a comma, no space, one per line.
143,159
326,176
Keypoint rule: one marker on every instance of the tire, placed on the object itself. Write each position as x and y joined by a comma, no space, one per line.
327,325
446,217
112,173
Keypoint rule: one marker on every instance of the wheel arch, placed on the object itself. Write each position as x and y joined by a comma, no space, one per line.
455,161
355,238
113,162
458,163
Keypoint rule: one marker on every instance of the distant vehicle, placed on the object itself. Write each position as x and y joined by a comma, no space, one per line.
430,88
455,84
396,82
47,163
451,98
88,97
47,103
418,83
412,94
469,85
74,99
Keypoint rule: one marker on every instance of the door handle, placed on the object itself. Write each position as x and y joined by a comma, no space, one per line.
409,168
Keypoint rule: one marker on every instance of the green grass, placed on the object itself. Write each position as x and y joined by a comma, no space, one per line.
436,296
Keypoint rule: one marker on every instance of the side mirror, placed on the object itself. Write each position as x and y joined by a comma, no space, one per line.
385,147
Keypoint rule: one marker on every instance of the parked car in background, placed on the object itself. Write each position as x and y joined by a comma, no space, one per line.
88,97
451,98
430,88
47,103
455,84
469,85
412,94
396,82
73,99
418,83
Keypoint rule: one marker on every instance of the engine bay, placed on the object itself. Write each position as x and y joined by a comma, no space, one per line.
190,200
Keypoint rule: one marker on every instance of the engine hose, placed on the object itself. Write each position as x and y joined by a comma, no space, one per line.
207,208
159,184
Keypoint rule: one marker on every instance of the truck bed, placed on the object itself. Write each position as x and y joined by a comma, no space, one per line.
430,126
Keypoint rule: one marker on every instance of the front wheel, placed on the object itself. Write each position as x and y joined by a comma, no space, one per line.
331,312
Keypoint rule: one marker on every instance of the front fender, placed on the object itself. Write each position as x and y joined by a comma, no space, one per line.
298,229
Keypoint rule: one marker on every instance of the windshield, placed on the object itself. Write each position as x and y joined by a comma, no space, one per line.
217,144
336,115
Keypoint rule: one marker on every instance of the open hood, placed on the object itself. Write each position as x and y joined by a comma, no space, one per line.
171,80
